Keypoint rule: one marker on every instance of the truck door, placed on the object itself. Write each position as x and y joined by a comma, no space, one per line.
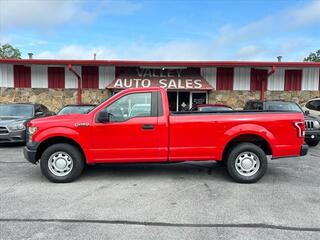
132,131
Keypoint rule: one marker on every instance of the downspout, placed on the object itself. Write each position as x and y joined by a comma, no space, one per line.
71,69
273,69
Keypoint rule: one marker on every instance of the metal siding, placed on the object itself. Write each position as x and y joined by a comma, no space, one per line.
22,76
6,75
225,78
210,74
71,80
90,76
241,78
106,76
276,80
292,80
56,77
310,79
39,76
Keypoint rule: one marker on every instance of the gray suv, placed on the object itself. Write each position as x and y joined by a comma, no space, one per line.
14,117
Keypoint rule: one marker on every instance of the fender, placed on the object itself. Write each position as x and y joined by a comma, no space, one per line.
66,132
245,129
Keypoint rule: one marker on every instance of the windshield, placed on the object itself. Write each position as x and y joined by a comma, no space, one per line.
283,106
75,109
23,111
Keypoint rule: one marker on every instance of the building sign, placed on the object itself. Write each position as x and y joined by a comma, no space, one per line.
166,78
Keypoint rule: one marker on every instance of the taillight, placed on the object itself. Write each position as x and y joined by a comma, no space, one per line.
300,127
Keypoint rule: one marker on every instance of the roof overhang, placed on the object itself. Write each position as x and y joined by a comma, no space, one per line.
171,64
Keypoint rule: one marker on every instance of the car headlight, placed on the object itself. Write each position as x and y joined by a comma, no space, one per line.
316,125
31,131
19,126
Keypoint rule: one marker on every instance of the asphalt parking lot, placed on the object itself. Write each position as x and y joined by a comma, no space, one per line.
177,201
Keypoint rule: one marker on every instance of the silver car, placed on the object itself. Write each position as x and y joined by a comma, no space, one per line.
14,117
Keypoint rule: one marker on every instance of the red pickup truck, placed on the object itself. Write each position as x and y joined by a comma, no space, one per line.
136,125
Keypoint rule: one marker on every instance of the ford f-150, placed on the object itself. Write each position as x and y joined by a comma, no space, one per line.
136,126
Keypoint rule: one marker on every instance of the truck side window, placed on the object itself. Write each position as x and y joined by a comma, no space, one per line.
130,106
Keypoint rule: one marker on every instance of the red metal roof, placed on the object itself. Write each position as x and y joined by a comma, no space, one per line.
160,63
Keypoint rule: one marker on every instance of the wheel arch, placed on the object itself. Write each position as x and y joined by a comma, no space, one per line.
57,139
250,138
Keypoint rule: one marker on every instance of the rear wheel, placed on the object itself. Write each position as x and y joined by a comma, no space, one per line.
61,163
246,163
312,142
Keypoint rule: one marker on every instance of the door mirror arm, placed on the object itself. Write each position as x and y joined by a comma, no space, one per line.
306,112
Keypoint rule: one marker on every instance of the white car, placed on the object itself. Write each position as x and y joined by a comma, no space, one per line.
313,107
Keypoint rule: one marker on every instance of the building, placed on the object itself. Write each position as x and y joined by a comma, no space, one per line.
59,82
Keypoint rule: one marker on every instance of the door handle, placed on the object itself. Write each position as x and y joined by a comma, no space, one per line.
147,126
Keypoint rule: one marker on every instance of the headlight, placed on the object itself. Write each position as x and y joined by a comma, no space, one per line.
19,126
32,130
316,124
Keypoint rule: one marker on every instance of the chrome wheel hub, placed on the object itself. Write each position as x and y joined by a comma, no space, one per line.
247,164
60,164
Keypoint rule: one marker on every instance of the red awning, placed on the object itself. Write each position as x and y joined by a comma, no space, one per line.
178,83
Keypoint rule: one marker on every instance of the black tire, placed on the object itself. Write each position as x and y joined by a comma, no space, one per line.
312,142
250,152
74,163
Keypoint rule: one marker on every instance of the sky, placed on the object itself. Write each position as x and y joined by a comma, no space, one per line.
162,29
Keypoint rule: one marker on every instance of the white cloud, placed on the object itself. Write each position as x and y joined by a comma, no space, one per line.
250,52
76,52
308,14
49,13
119,7
263,39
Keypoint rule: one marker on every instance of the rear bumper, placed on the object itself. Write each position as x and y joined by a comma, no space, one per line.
30,152
304,150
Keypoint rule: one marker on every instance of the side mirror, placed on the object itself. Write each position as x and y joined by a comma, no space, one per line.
306,112
103,117
38,114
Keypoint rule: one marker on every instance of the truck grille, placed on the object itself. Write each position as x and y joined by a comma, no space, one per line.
3,130
308,125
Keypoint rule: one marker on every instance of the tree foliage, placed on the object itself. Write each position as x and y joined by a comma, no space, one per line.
8,51
313,57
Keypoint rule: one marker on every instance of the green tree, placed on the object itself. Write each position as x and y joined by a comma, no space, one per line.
313,57
8,51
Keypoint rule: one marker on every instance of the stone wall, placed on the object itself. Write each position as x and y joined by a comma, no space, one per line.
54,99
237,99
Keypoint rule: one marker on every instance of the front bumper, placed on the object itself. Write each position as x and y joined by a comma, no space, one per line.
313,135
30,152
13,137
304,150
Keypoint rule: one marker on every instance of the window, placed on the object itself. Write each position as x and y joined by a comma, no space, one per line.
292,80
56,78
224,78
313,105
259,79
22,76
90,76
130,106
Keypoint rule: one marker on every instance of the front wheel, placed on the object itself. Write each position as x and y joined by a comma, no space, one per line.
246,163
62,163
312,142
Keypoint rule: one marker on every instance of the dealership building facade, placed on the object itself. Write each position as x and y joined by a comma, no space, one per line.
59,82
